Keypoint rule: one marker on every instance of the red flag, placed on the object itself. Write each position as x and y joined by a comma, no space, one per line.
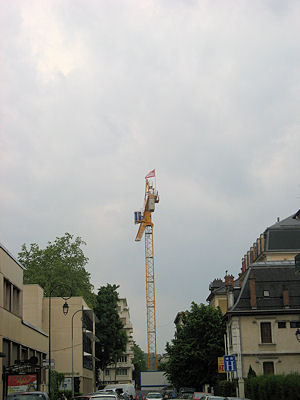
151,174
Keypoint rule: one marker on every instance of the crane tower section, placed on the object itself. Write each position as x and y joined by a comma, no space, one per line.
143,218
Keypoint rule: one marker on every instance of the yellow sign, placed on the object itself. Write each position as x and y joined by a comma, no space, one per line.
221,365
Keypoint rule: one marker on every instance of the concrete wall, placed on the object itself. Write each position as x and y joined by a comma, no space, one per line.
61,338
13,330
33,305
219,301
284,351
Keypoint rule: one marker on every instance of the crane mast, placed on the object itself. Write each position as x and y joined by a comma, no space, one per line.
146,226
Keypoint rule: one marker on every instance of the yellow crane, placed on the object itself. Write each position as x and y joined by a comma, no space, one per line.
143,218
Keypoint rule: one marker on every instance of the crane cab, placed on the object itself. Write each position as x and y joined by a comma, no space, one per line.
138,217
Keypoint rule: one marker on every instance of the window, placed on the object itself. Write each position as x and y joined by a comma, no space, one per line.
265,332
122,359
7,295
281,324
11,297
295,324
266,293
268,368
107,373
121,371
16,301
24,353
6,351
15,353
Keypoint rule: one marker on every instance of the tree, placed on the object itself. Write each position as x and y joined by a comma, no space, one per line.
109,330
251,373
197,344
57,378
60,262
139,362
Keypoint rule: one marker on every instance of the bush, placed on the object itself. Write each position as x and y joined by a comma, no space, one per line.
225,388
275,387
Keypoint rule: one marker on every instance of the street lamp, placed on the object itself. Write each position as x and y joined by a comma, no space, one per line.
297,333
72,320
65,311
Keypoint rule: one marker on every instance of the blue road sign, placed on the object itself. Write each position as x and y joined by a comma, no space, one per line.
229,363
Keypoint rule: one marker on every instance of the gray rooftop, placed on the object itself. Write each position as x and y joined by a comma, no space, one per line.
274,278
293,221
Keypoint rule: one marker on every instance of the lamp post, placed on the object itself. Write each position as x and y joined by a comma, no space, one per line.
65,312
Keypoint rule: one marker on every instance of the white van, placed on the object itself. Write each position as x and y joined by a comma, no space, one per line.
120,388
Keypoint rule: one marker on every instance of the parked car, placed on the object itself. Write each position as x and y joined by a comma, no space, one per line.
96,395
104,396
236,398
28,396
212,397
184,390
199,395
125,389
187,395
83,397
154,396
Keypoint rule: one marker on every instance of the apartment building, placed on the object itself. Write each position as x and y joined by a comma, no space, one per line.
263,304
24,333
23,345
81,321
121,372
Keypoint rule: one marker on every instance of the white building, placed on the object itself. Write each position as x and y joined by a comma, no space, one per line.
121,372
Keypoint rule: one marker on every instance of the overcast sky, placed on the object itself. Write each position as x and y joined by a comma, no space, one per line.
96,93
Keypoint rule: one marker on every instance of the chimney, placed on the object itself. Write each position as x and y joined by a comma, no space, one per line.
229,281
285,297
252,290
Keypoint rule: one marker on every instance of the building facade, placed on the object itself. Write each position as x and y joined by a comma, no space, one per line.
81,321
122,371
263,304
23,345
24,332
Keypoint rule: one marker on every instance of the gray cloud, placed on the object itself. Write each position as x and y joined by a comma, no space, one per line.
96,94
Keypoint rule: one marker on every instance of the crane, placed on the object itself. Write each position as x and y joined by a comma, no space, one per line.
146,225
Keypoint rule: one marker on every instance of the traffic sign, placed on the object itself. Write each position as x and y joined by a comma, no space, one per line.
229,363
221,365
45,363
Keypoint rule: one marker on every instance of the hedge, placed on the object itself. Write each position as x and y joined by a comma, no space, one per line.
273,387
225,388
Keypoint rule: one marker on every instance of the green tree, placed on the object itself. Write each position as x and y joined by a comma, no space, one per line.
197,344
139,362
60,262
57,378
109,330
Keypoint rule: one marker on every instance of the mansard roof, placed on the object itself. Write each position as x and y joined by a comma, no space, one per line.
272,277
293,221
284,236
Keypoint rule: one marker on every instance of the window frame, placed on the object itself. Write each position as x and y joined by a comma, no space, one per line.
263,367
271,332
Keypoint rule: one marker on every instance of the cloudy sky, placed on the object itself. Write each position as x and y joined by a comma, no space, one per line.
96,93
